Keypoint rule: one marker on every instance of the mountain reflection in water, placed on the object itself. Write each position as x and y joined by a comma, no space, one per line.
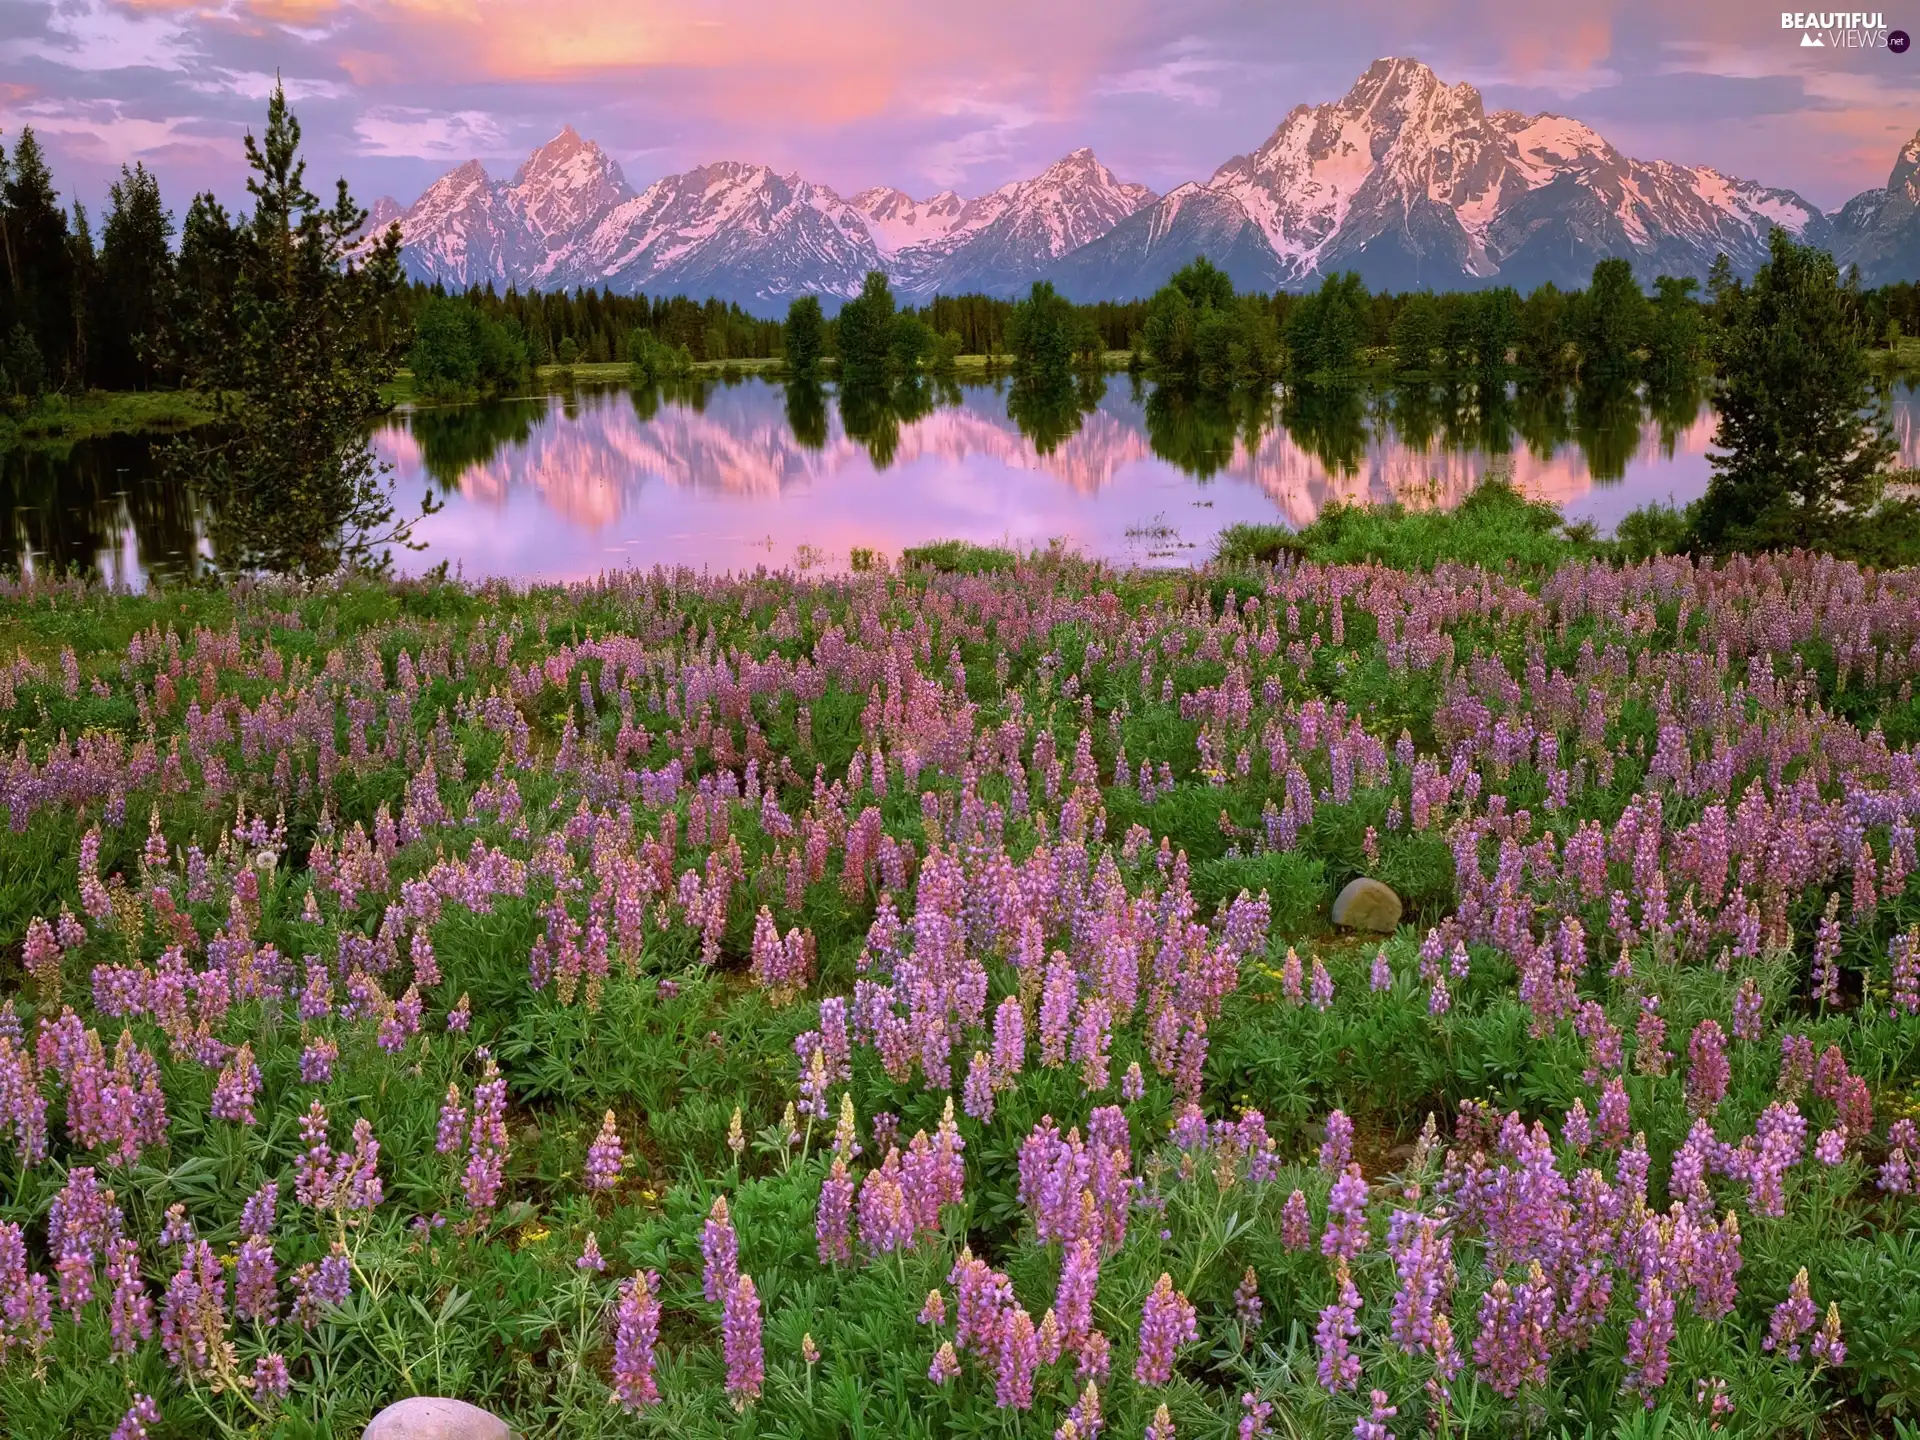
734,475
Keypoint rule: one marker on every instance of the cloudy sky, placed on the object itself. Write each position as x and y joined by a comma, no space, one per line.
912,93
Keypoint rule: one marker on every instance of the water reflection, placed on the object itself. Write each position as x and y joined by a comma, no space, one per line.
736,474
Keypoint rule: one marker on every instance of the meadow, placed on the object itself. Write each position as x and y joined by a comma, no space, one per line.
905,1003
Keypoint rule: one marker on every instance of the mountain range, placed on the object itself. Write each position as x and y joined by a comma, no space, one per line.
1407,180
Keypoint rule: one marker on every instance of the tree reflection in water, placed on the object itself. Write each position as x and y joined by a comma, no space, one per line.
95,503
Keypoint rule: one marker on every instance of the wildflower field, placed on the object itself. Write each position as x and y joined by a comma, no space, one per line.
905,1004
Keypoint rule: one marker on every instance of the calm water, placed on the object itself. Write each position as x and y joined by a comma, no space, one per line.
727,476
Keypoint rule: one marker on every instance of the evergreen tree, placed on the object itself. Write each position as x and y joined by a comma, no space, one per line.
39,257
1612,321
1323,331
1541,339
805,337
1416,333
135,281
1673,330
294,482
909,341
1041,334
83,264
866,333
1494,326
1803,446
1197,332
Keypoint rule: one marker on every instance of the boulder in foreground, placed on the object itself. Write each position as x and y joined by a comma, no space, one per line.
433,1417
1367,905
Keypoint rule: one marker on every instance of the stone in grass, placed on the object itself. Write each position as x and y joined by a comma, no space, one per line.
432,1417
1367,905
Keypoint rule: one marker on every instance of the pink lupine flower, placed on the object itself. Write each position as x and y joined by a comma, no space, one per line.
1380,977
1296,1224
1019,1355
1828,1348
590,1257
946,1364
1707,1069
1346,1233
1374,1426
1320,992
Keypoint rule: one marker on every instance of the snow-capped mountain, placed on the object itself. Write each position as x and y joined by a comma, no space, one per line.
1878,231
740,232
1411,182
1406,179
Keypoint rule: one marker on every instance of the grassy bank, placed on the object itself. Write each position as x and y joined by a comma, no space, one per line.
61,419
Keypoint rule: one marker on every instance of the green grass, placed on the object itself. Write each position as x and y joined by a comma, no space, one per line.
62,419
959,557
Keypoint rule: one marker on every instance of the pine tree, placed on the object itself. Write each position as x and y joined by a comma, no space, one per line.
135,280
1803,445
293,479
1612,321
865,332
39,258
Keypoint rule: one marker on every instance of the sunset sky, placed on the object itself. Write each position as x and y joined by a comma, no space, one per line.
905,92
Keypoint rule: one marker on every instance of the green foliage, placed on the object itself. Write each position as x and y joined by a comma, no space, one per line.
460,353
1610,321
654,362
1494,526
1804,441
864,334
804,337
959,557
1324,328
1199,334
1042,336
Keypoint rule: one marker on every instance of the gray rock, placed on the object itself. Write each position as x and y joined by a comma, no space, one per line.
432,1417
1366,905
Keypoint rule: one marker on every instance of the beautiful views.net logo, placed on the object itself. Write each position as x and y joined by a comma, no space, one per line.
1837,29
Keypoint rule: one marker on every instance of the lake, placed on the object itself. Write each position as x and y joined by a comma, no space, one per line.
731,475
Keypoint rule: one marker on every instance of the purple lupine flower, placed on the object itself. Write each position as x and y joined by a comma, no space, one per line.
740,1339
1747,1006
129,1307
487,1142
590,1257
238,1088
320,1288
1073,1301
1423,1260
720,1250
453,1121
934,1310
1828,1348
1019,1356
1160,1427
832,1220
1167,1321
460,1017
1084,1420
1009,1041
1615,1117
1439,998
256,1216
1831,1147
1577,1130
605,1156
635,1331
1247,1304
1374,1426
178,1228
1649,1335
1346,1233
1515,1322
270,1379
1096,1358
1320,988
255,1281
1133,1084
1792,1318
977,1093
1333,1337
193,1316
136,1423
1255,1413
1337,1149
1716,1267
1296,1223
317,1062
